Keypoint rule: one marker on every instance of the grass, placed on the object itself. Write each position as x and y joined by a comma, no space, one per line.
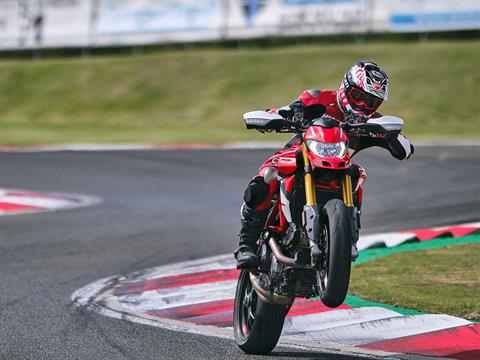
200,96
442,280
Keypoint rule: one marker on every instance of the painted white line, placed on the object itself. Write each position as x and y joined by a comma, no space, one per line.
178,296
467,225
384,239
337,318
384,329
225,261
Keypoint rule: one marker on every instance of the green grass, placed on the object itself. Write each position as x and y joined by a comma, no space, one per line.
200,96
442,280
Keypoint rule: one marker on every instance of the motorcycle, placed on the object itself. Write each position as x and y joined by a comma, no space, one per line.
309,239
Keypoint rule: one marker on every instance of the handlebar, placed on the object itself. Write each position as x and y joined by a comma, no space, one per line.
269,121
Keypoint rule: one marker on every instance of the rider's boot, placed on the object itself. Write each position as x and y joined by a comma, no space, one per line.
253,222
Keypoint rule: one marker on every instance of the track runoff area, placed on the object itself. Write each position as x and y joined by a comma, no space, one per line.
197,296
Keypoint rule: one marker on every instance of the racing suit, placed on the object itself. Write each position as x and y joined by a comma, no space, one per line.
263,187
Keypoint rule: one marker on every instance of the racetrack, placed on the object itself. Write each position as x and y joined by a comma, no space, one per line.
161,207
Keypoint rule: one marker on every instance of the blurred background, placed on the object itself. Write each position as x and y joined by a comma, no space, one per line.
182,71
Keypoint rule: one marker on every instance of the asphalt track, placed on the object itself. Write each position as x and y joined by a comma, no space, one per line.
161,207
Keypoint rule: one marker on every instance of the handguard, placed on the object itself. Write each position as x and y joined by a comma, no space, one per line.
265,120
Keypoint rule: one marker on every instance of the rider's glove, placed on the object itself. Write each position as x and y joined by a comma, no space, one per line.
294,111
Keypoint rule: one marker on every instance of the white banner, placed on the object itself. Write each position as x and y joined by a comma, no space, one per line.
79,23
294,17
146,16
44,23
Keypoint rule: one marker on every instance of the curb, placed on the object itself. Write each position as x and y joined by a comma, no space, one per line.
16,202
191,146
197,297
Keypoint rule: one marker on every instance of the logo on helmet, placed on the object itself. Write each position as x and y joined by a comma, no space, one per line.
377,76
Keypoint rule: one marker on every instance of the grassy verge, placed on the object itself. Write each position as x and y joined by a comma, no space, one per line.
199,96
438,280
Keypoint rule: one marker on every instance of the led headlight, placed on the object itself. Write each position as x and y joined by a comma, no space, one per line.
327,149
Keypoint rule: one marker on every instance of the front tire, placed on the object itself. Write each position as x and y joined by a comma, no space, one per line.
257,324
337,234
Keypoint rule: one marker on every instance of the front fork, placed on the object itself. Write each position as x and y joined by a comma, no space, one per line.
312,211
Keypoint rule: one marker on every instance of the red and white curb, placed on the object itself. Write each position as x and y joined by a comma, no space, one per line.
190,146
15,202
392,239
197,296
132,147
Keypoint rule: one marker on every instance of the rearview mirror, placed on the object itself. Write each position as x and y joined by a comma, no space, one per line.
389,123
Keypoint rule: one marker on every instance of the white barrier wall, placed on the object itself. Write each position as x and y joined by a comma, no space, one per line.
64,23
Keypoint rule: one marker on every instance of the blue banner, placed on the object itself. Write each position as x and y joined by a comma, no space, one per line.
436,20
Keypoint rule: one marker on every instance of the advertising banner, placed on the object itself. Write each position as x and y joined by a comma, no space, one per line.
46,23
146,16
431,15
63,23
252,18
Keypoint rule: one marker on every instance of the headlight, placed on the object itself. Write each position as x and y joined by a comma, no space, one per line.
327,149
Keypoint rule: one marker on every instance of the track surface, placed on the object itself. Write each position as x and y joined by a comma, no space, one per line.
164,207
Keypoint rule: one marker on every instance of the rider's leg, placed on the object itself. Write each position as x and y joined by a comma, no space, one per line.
258,201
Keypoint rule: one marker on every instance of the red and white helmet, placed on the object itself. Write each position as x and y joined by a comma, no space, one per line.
362,91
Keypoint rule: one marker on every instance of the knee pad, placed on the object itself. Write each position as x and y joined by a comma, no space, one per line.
256,192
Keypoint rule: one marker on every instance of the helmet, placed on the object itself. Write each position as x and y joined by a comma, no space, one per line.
362,90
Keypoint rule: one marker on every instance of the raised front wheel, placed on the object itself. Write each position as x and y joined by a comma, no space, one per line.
334,277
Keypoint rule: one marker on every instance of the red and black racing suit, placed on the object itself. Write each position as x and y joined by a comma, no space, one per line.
327,98
261,189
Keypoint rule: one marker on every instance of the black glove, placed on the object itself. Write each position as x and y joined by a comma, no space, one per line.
314,111
294,111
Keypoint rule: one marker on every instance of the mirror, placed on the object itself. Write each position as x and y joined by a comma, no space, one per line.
389,123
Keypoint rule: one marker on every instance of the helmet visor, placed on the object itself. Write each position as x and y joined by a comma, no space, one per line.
362,101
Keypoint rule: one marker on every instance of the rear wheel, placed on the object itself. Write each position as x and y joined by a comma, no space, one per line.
257,324
333,279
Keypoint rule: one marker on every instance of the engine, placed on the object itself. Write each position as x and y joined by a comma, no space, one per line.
288,281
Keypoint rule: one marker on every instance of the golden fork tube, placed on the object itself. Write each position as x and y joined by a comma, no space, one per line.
347,191
309,183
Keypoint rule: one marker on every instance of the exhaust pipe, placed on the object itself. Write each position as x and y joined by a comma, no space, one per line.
267,296
282,259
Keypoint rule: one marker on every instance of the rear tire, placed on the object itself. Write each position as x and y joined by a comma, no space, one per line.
257,325
339,236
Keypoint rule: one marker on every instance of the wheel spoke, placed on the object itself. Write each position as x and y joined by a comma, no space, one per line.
251,315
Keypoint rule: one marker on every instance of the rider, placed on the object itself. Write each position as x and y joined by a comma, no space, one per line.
362,90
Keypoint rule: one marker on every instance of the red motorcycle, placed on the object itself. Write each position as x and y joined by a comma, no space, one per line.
305,249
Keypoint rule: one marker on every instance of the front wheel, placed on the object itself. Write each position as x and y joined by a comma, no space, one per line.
257,324
333,279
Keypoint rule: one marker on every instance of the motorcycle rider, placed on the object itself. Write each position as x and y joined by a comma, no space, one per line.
362,90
